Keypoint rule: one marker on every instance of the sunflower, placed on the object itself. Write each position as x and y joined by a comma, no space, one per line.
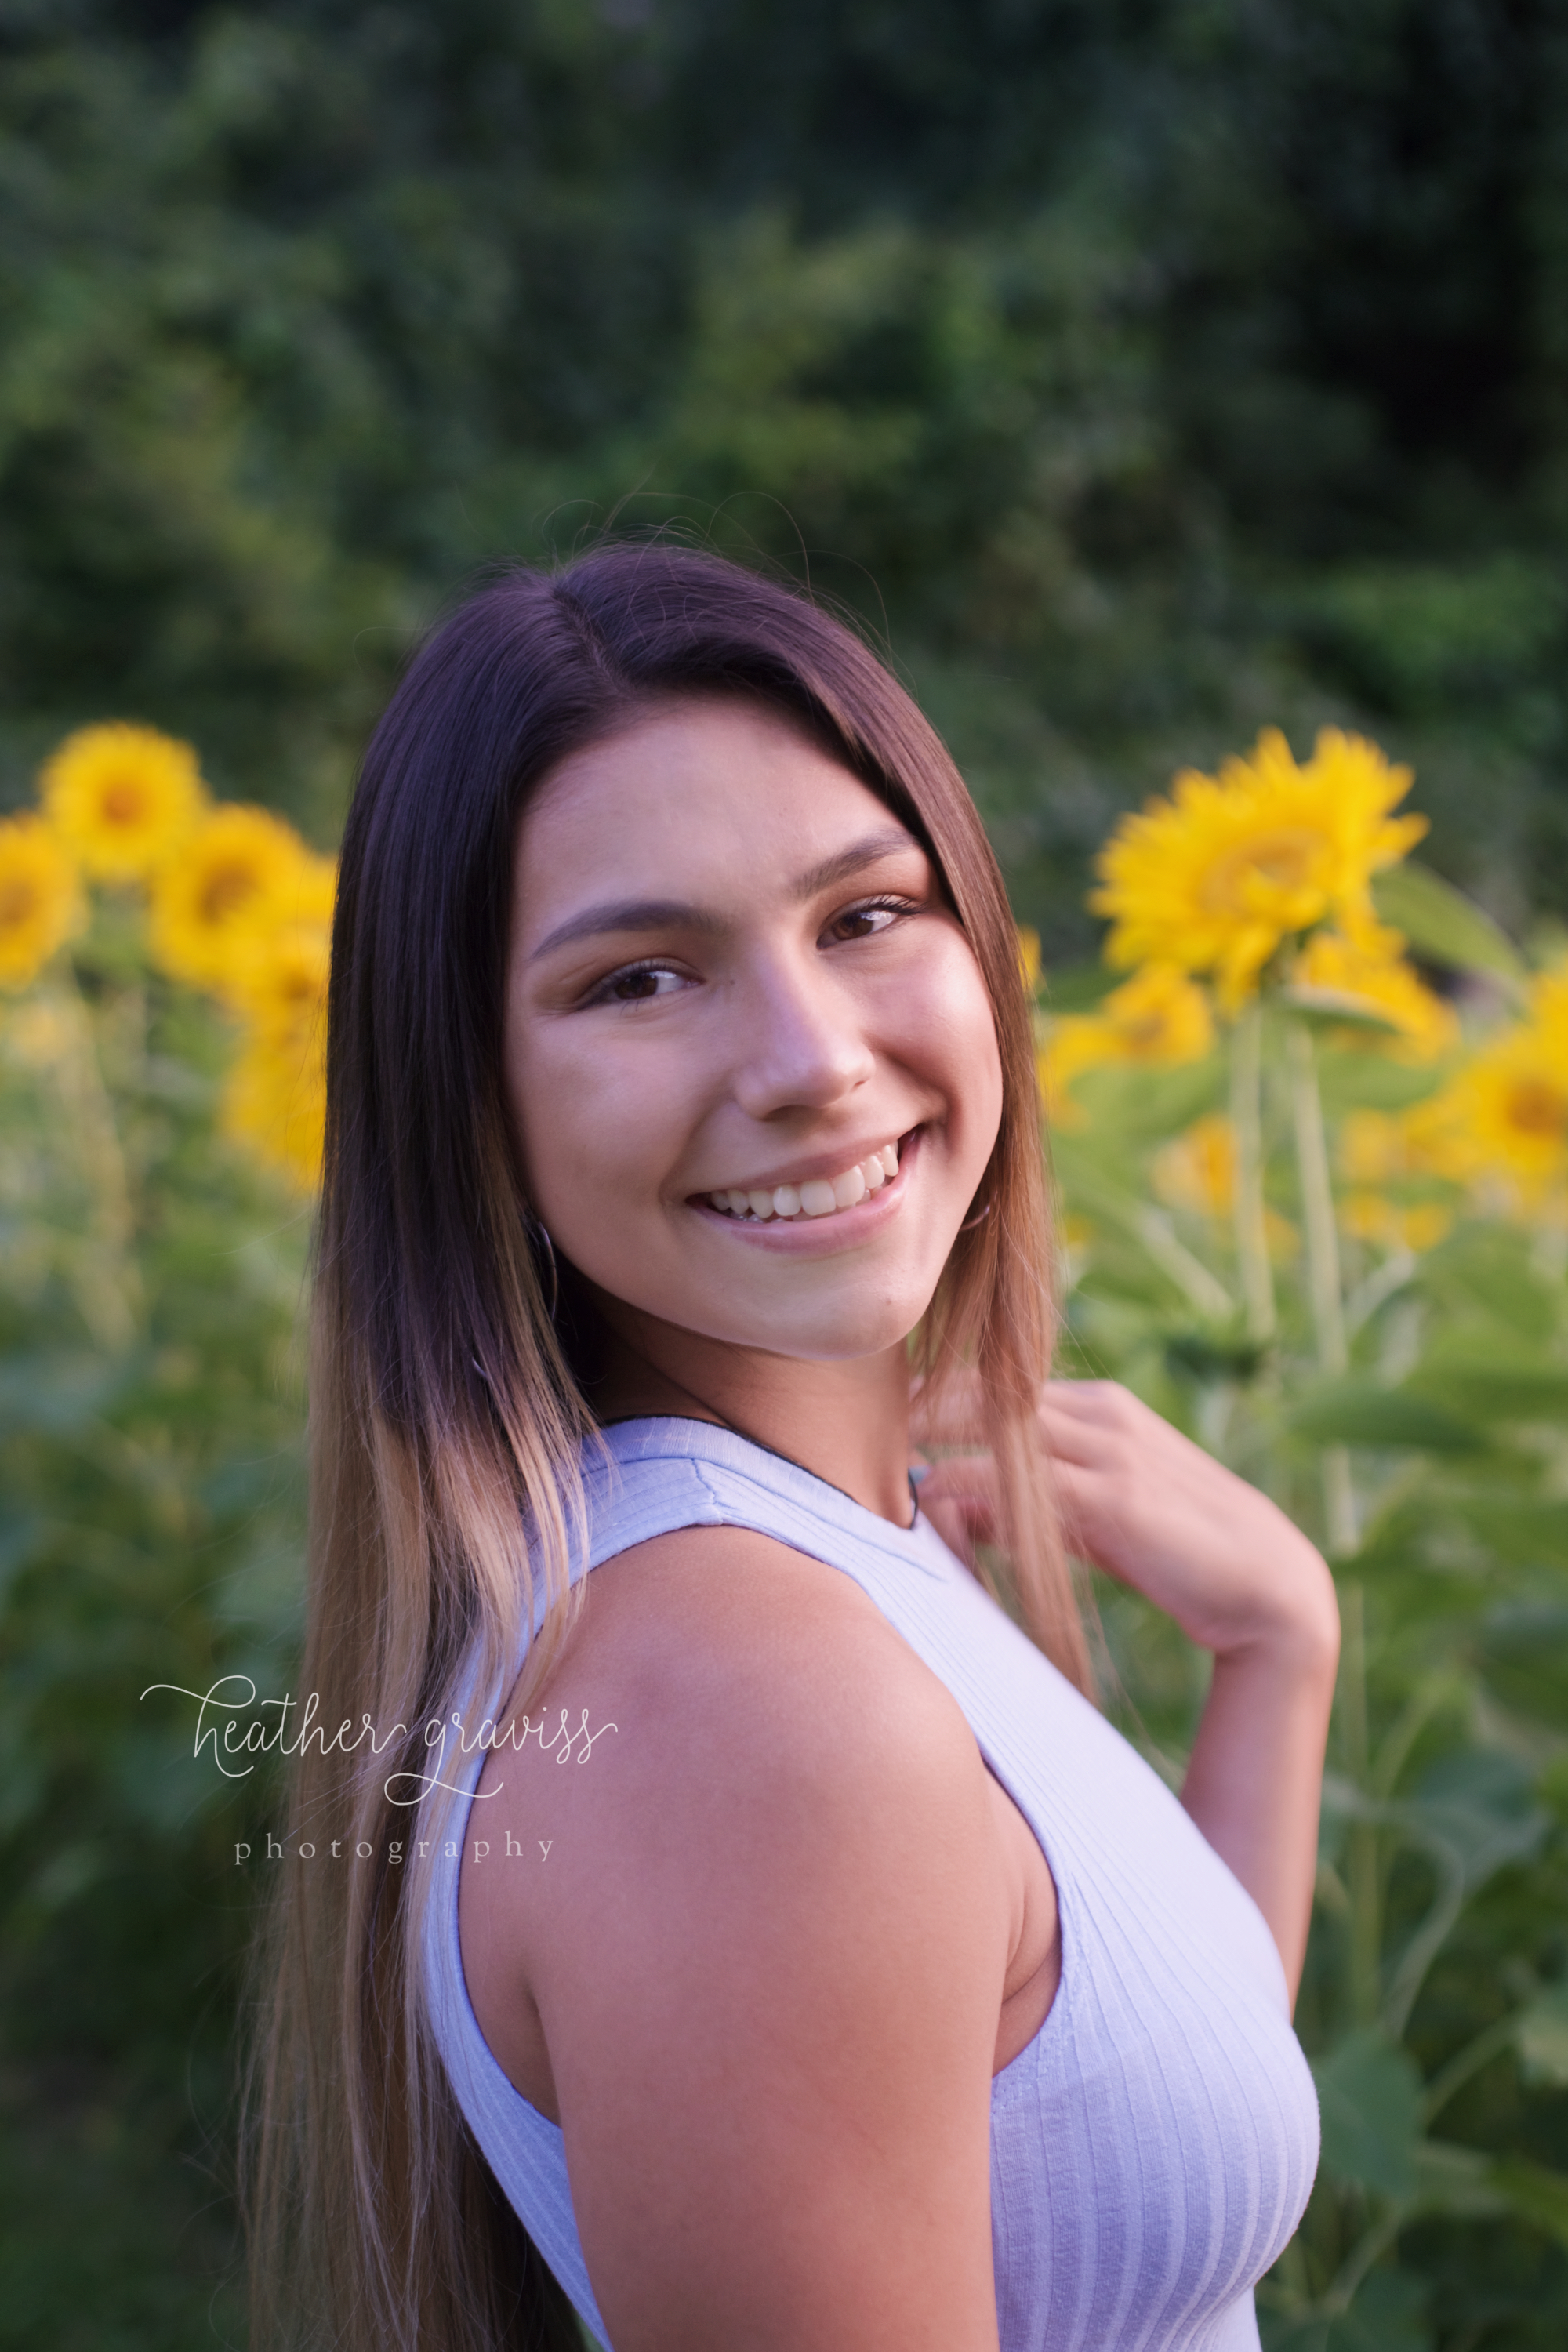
123,798
311,894
40,897
1214,878
278,981
1159,1017
1073,1043
1501,1123
276,1099
1515,1093
1372,967
276,1104
1402,1150
1414,1225
1196,1170
38,1035
242,871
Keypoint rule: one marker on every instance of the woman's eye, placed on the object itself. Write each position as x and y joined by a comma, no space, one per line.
864,922
639,987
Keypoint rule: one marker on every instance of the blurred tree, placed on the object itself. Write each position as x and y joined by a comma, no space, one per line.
1144,370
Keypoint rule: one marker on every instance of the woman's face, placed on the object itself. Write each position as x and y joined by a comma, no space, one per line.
735,999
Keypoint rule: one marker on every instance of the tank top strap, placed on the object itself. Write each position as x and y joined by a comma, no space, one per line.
667,1472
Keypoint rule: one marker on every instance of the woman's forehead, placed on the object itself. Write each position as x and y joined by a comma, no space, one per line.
703,792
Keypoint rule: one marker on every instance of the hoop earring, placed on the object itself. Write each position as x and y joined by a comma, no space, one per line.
537,1234
978,1219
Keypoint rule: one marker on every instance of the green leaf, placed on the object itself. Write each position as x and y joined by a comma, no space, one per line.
1542,2037
1535,2194
1525,1531
1482,1281
1370,2095
1473,2186
1335,1008
1387,2316
1354,1078
1459,2180
1494,1386
1523,1650
1480,1804
1213,1356
1359,1412
1441,924
1135,1102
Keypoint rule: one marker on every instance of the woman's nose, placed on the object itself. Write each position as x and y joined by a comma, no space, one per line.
801,1042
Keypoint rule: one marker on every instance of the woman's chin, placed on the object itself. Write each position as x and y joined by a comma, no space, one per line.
837,1332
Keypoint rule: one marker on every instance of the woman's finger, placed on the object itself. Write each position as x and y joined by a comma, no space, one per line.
1073,1437
969,1478
949,1412
1086,1503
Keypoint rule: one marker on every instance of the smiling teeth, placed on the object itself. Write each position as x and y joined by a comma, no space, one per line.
820,1196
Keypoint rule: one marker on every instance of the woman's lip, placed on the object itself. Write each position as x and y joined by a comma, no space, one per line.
847,1225
822,1169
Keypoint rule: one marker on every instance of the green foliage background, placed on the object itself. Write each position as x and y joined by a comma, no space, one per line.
1148,369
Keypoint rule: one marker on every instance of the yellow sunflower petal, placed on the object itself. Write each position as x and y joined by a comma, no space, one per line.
1077,1042
1196,1170
123,798
1214,877
1373,968
40,898
1501,1123
1160,1016
275,1103
241,871
278,981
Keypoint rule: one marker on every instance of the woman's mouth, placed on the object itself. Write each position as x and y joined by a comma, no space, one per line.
819,1196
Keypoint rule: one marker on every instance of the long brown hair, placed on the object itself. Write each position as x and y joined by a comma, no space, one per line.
447,1415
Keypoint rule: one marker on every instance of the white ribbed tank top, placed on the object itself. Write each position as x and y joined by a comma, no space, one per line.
1153,2147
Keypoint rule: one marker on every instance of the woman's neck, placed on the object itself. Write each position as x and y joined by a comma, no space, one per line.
848,1423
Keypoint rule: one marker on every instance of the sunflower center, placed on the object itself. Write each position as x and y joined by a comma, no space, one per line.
226,888
1285,860
1534,1107
18,901
124,801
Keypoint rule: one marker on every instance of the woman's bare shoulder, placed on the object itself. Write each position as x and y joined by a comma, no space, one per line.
764,1954
713,1670
721,1613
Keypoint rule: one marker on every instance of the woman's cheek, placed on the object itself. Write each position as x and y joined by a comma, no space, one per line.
950,1031
610,1136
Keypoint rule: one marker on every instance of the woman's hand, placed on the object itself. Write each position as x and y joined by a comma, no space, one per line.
1240,1579
1152,1509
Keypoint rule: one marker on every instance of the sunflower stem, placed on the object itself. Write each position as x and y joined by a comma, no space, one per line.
1247,1124
1364,1860
1322,1271
108,1282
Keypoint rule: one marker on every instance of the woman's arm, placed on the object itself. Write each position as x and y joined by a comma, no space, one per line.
1241,1580
767,1952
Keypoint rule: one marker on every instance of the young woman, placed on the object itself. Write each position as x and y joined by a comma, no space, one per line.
748,1928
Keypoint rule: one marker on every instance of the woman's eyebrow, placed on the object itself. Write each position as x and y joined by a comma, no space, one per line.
886,842
628,915
675,914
